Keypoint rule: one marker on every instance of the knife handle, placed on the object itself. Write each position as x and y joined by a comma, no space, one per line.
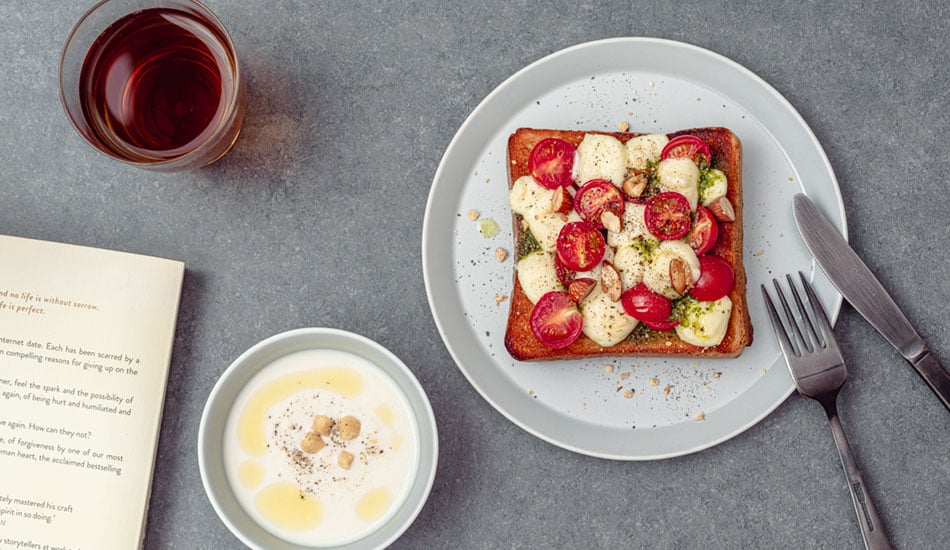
935,375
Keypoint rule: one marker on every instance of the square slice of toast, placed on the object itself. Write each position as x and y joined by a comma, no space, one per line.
521,343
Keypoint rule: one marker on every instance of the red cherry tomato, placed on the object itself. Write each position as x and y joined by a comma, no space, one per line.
643,304
596,197
690,147
704,232
667,216
564,274
716,278
555,320
580,246
662,325
551,162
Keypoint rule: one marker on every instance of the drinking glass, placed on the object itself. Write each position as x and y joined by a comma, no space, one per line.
153,83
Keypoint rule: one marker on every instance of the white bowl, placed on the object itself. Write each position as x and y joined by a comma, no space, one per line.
211,434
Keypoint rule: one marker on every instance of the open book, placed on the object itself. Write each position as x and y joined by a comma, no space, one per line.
85,346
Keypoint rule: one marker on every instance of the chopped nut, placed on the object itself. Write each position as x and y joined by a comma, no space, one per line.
562,202
312,443
322,424
348,427
624,375
499,298
623,125
628,394
610,281
608,368
700,417
722,209
717,374
667,389
501,254
345,460
524,224
472,215
580,288
681,276
611,221
654,382
759,252
635,185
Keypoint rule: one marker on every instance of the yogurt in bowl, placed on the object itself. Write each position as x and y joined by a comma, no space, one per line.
317,438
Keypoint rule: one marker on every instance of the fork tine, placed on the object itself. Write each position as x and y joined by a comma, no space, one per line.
799,338
826,329
818,341
788,349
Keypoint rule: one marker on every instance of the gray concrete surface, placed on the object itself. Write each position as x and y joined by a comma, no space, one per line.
351,105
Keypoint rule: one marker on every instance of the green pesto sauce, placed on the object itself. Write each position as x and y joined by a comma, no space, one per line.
488,228
527,244
646,247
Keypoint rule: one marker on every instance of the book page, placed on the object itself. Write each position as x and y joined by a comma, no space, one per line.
85,346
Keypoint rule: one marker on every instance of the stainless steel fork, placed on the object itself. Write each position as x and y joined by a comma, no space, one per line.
817,367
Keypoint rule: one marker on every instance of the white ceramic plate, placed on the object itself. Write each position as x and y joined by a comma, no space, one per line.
211,434
656,86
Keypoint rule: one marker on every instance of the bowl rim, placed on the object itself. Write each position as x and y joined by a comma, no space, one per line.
232,381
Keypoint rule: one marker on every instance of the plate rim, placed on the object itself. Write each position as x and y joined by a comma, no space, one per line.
630,41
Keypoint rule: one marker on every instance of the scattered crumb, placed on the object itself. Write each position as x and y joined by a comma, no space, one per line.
608,368
759,252
618,389
700,417
472,215
708,389
654,382
628,394
487,180
717,374
764,372
530,392
499,298
624,375
650,83
501,254
623,125
524,225
667,389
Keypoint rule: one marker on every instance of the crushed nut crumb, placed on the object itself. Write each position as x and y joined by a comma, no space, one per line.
499,298
700,417
624,375
472,215
759,252
623,125
717,374
654,382
501,254
667,389
608,368
628,394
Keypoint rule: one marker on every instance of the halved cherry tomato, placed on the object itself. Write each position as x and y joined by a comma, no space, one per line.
551,162
564,274
596,197
643,304
704,232
716,278
555,320
580,246
690,147
667,216
662,325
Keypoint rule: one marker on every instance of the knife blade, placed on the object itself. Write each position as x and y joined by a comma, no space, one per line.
852,277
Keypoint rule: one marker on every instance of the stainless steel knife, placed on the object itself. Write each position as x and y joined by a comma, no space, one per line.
861,288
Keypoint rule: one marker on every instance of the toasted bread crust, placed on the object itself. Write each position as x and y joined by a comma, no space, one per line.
727,154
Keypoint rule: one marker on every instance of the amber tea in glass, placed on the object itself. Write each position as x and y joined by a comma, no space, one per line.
155,84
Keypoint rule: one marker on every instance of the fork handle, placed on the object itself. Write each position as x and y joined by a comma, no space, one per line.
872,529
